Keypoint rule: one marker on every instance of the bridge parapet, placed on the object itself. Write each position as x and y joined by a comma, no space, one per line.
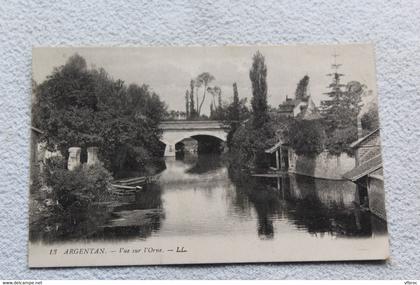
190,125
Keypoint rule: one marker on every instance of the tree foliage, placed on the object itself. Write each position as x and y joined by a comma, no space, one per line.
340,113
187,104
306,137
258,76
193,112
252,137
249,143
236,113
85,107
370,119
302,88
202,81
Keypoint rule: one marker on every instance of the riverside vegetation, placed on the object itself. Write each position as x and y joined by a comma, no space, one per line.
78,106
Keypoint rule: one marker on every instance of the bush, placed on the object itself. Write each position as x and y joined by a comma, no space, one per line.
306,137
249,145
339,141
81,186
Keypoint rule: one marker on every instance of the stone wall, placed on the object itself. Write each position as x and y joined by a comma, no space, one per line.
324,165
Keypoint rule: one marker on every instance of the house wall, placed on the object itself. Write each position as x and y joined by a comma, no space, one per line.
324,165
376,196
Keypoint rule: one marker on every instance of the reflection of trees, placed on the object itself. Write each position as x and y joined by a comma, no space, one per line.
205,163
313,216
78,224
138,218
265,201
300,204
153,166
325,216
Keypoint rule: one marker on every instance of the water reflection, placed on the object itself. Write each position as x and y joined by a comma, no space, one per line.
200,195
316,206
138,218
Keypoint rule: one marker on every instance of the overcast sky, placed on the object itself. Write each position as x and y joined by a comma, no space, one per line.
168,70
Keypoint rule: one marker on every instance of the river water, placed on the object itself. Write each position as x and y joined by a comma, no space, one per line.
201,196
201,202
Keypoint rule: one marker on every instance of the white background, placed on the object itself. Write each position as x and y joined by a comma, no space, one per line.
394,26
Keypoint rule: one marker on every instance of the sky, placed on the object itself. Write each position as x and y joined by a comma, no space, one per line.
168,70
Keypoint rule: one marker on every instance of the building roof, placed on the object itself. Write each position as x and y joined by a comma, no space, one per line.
310,111
359,141
364,169
289,102
274,148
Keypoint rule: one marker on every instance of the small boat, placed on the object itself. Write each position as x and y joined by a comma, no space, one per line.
132,185
127,187
137,181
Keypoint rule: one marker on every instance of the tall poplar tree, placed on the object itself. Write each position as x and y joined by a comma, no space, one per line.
187,105
193,112
258,76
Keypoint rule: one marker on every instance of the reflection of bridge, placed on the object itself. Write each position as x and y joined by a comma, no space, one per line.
175,131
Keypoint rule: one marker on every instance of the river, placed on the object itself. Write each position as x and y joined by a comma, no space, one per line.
200,202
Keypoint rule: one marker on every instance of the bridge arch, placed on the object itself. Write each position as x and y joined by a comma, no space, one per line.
175,131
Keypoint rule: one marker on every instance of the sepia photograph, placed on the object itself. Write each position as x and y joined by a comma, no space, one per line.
198,155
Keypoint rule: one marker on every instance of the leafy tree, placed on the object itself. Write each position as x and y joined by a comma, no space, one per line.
235,114
340,114
187,105
219,99
306,137
236,107
66,102
302,88
203,81
215,91
254,136
258,75
211,110
82,107
193,112
370,119
248,144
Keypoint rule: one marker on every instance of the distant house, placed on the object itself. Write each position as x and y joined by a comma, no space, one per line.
368,173
287,107
304,108
308,111
301,109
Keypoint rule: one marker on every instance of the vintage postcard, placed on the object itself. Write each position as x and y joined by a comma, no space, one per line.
187,155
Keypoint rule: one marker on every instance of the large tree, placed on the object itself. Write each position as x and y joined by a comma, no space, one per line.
187,104
193,112
258,76
85,107
340,113
202,81
370,119
236,113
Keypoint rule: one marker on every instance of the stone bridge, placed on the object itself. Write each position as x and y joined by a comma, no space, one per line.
175,131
